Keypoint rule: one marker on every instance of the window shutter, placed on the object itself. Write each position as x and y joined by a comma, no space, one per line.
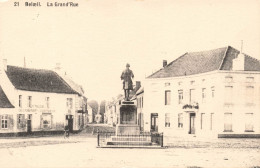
18,126
41,126
52,124
10,122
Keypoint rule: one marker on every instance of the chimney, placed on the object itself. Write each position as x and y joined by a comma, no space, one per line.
239,61
137,85
164,63
5,64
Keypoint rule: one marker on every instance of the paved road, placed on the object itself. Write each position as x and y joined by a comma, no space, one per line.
81,152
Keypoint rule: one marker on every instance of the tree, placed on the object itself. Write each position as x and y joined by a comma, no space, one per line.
94,105
102,109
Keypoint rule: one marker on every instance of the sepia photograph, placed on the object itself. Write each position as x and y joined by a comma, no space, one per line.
130,84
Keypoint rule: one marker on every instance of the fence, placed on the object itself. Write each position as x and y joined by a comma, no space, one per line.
145,139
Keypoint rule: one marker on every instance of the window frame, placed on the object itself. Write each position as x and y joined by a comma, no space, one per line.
167,97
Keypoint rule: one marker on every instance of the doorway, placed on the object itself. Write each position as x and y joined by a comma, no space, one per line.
69,119
192,123
154,122
29,123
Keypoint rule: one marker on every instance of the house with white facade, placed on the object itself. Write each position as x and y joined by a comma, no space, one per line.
213,93
34,100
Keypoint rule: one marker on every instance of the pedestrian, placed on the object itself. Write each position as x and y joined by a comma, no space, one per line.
66,132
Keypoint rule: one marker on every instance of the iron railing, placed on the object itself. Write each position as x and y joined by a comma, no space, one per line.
144,139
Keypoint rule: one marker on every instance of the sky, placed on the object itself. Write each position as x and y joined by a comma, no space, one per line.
93,42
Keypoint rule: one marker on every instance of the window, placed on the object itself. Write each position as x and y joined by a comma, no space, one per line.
180,96
167,97
20,100
4,120
30,101
228,79
21,122
211,121
47,100
179,83
46,121
192,96
249,95
180,120
192,82
213,92
228,122
203,94
167,120
69,103
202,120
228,94
249,122
249,79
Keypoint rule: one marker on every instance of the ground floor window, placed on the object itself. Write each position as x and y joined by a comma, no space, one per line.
202,121
46,121
228,122
167,120
4,121
180,120
211,121
249,126
21,123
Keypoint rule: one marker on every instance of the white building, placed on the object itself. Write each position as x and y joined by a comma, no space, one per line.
38,100
210,93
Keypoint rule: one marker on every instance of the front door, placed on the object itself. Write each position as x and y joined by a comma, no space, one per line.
29,123
70,124
192,123
154,122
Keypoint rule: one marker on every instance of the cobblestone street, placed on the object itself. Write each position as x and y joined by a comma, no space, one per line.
81,151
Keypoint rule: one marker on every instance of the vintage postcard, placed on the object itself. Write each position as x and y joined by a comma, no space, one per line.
129,84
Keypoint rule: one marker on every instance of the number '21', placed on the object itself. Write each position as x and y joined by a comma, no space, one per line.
16,3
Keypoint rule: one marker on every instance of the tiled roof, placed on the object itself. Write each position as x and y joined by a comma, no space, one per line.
73,85
37,80
4,102
205,61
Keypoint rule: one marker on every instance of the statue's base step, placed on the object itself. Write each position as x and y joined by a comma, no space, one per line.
127,129
141,139
130,143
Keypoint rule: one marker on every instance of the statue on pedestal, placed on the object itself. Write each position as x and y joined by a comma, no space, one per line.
127,76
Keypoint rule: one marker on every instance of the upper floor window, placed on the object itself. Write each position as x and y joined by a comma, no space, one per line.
69,103
212,91
228,94
203,94
228,79
30,101
180,93
167,120
192,96
249,94
167,97
47,100
179,83
192,82
20,101
250,79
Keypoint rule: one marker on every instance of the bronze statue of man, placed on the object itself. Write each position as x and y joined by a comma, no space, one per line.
127,76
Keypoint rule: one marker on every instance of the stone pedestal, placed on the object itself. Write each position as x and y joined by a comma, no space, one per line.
128,119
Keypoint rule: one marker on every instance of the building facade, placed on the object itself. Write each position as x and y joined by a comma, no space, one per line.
41,100
212,93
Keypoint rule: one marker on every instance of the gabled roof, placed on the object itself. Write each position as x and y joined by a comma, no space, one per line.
73,85
205,61
4,101
37,80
